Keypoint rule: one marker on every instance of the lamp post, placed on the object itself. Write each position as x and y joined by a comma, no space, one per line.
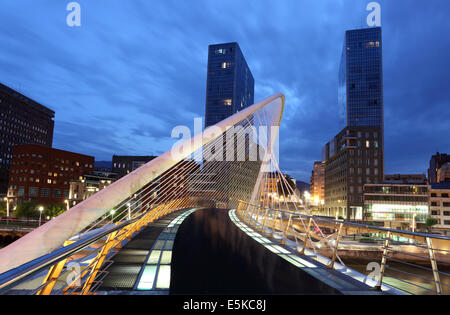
7,210
7,206
112,214
41,208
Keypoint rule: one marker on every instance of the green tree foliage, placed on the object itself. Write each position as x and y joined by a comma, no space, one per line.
283,185
27,210
2,209
53,210
430,222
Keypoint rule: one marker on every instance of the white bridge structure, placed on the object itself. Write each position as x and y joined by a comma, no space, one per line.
214,169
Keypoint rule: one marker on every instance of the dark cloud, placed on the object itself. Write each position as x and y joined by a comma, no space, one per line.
136,69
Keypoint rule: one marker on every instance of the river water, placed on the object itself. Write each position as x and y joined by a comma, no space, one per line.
407,278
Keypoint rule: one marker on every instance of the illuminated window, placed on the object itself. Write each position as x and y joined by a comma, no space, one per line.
228,102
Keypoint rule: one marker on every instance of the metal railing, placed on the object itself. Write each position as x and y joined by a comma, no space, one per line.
401,254
51,267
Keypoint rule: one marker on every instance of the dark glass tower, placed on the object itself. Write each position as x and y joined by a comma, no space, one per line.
355,157
22,121
230,83
361,78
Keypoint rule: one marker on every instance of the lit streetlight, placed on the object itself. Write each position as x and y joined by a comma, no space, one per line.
112,214
41,208
7,206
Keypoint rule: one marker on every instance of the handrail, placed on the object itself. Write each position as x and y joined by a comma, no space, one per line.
11,277
382,229
436,246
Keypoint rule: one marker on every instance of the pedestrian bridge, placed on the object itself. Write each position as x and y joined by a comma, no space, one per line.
210,216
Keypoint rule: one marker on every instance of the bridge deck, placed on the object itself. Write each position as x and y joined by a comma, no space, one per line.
214,255
342,279
129,265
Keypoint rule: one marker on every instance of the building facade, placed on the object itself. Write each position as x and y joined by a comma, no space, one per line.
124,164
230,83
88,185
405,179
318,182
436,162
443,173
361,78
398,205
269,188
439,203
353,158
22,121
44,174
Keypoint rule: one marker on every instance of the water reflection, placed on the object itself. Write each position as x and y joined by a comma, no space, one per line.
410,279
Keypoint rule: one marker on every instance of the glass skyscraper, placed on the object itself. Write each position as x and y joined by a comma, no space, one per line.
230,83
355,157
361,78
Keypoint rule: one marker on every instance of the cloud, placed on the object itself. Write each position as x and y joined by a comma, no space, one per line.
136,69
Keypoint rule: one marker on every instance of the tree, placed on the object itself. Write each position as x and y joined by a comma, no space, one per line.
53,210
430,222
286,187
2,209
27,210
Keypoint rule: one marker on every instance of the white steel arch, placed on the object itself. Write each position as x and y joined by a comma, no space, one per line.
54,233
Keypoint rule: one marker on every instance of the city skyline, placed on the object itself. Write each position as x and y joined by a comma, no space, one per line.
91,98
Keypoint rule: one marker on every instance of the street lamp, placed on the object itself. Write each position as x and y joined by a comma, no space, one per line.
112,214
7,206
41,208
67,204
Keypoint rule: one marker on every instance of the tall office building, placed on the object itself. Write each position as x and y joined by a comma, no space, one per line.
22,121
318,182
361,78
355,157
230,83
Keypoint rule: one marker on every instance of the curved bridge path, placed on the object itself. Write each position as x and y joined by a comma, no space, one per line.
202,251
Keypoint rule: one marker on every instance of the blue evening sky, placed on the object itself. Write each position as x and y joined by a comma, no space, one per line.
137,68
